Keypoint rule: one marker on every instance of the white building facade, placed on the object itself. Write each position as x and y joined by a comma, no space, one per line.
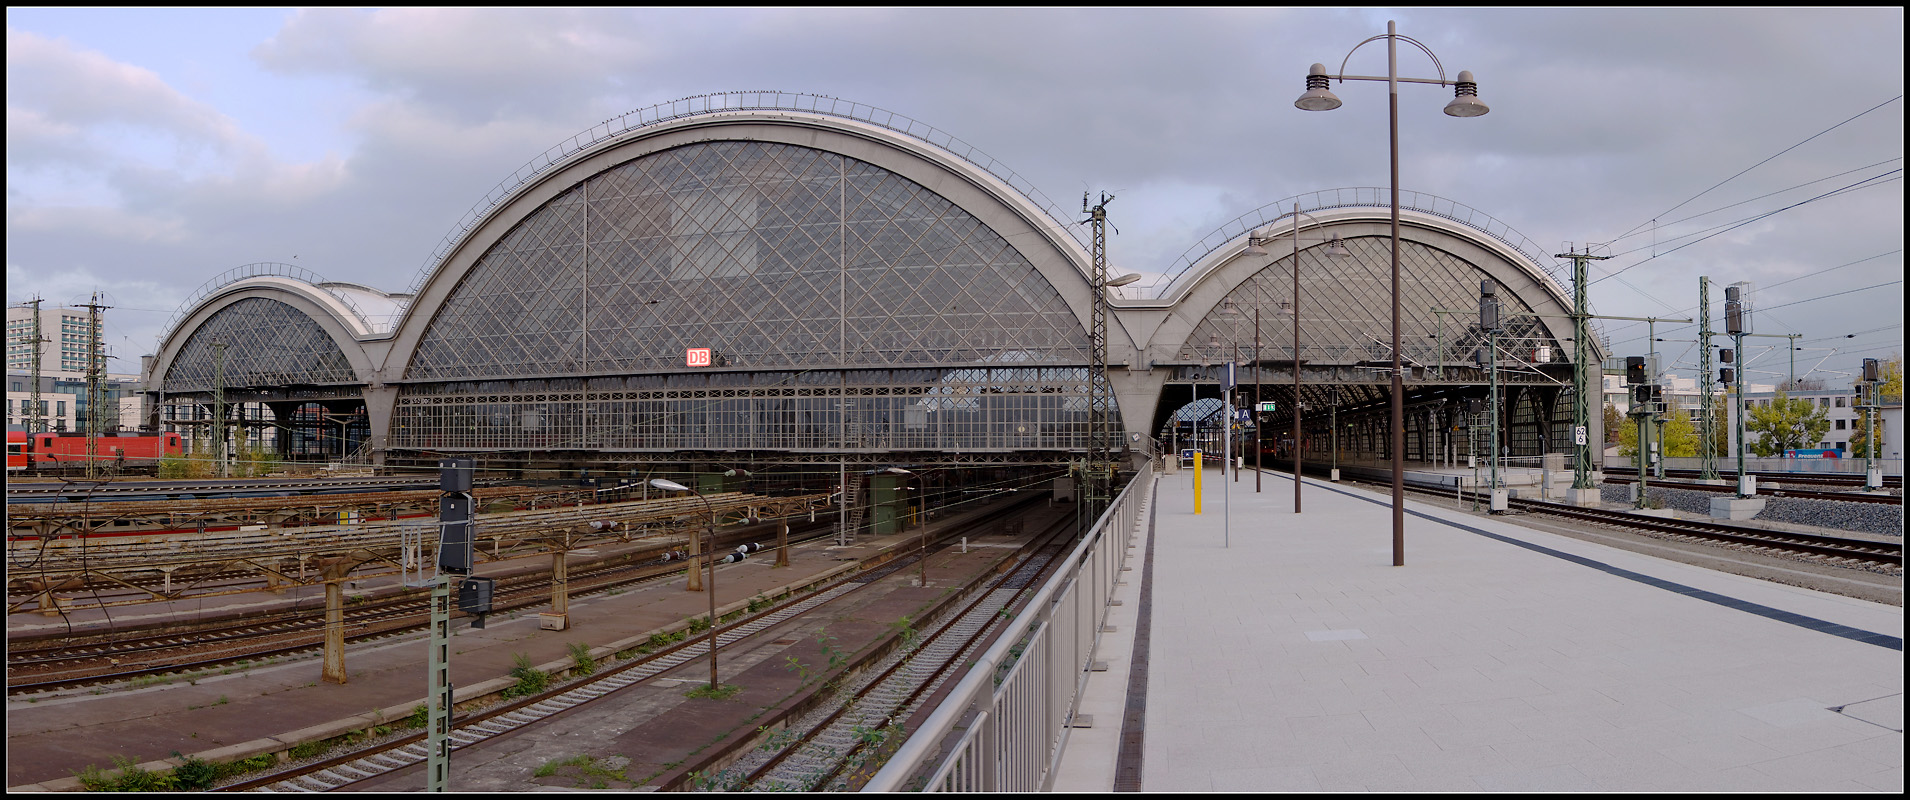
65,334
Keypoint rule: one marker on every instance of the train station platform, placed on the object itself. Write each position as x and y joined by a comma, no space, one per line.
1286,653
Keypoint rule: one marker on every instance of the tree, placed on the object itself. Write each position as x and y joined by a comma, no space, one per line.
1860,437
1613,422
1681,436
1786,424
1890,391
1677,438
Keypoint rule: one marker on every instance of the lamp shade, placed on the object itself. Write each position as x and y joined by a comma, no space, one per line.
1465,99
1317,98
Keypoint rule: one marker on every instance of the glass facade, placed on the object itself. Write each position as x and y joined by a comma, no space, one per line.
267,344
1346,309
996,408
848,309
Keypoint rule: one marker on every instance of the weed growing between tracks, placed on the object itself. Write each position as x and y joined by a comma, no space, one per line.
580,659
587,771
721,692
530,679
192,775
131,778
836,658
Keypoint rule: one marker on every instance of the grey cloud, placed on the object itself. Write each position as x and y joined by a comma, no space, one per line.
1601,120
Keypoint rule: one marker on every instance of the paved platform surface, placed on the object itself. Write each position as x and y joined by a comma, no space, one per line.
1288,654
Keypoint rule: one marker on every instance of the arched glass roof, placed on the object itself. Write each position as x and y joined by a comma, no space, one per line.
774,255
1345,316
267,344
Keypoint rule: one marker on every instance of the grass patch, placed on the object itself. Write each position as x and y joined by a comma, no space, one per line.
530,680
721,692
586,770
130,778
309,749
580,659
196,774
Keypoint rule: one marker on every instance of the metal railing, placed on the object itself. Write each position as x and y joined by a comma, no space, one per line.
1006,724
261,269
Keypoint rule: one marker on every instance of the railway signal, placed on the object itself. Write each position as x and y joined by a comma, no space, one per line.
454,557
474,598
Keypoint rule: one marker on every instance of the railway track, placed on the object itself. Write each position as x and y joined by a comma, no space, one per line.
834,742
75,490
337,772
35,666
1787,478
1831,548
1766,491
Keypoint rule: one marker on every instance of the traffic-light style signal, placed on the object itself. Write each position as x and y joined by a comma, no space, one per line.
1635,370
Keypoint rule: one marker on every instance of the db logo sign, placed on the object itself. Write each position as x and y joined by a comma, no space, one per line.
697,357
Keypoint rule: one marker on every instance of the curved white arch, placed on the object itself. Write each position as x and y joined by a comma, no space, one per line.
344,324
1046,245
1167,321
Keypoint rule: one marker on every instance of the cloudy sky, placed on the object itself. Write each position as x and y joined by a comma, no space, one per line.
148,151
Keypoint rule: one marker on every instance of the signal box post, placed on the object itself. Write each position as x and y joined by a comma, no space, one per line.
455,512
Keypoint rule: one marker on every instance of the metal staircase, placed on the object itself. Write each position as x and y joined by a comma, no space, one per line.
852,500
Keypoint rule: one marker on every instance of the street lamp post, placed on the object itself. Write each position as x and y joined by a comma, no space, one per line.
709,555
1335,251
1465,103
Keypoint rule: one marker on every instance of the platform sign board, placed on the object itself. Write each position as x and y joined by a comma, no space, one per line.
697,357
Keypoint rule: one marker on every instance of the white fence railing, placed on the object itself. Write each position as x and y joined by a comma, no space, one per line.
1007,722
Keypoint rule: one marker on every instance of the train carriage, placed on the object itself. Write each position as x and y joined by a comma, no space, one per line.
122,450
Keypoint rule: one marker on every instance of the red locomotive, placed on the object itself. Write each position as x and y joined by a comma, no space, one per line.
43,451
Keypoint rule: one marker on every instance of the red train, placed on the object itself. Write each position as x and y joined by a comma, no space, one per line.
48,451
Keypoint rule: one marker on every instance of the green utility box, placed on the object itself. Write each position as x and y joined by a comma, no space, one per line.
889,498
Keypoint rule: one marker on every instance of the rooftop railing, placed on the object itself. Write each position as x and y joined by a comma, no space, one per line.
260,269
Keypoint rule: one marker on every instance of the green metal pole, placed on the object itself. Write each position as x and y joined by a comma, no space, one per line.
1492,446
1581,368
438,689
1643,419
1737,343
1707,426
